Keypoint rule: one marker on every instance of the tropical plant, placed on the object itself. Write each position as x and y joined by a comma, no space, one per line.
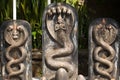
84,19
32,11
5,10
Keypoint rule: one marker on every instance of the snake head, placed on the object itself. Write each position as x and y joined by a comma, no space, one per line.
15,31
105,32
60,24
60,21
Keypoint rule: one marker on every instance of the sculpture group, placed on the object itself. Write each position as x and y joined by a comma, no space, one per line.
60,47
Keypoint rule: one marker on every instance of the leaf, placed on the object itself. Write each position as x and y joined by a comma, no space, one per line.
34,34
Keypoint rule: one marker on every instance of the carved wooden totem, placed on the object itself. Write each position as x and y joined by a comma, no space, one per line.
16,50
104,50
60,42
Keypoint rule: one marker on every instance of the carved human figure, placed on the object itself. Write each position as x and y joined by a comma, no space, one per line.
103,50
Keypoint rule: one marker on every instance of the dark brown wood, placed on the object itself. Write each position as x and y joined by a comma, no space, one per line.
60,55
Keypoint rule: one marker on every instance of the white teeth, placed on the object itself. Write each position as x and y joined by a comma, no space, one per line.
53,10
49,12
58,10
64,10
69,12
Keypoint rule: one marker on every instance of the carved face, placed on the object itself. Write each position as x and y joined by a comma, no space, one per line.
14,31
60,24
103,31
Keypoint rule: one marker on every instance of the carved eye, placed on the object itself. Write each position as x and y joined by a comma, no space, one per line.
63,27
19,28
10,28
56,27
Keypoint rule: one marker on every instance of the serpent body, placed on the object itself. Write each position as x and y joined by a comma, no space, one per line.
107,61
15,36
66,51
103,44
64,36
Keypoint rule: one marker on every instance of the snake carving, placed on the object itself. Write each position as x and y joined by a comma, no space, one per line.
104,53
58,55
15,35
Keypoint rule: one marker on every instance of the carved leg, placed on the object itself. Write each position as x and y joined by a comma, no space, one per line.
43,78
61,74
81,77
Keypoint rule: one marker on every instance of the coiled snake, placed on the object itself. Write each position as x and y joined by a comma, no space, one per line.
15,35
104,53
63,32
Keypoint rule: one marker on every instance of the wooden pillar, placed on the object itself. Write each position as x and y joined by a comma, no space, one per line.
60,57
103,49
16,50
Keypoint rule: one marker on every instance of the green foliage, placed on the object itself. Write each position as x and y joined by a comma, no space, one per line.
72,2
5,10
32,11
29,10
84,20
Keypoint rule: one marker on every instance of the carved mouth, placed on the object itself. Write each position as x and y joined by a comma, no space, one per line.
15,36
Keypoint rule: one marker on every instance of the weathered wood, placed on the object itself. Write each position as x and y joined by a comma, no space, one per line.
103,49
16,50
60,55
